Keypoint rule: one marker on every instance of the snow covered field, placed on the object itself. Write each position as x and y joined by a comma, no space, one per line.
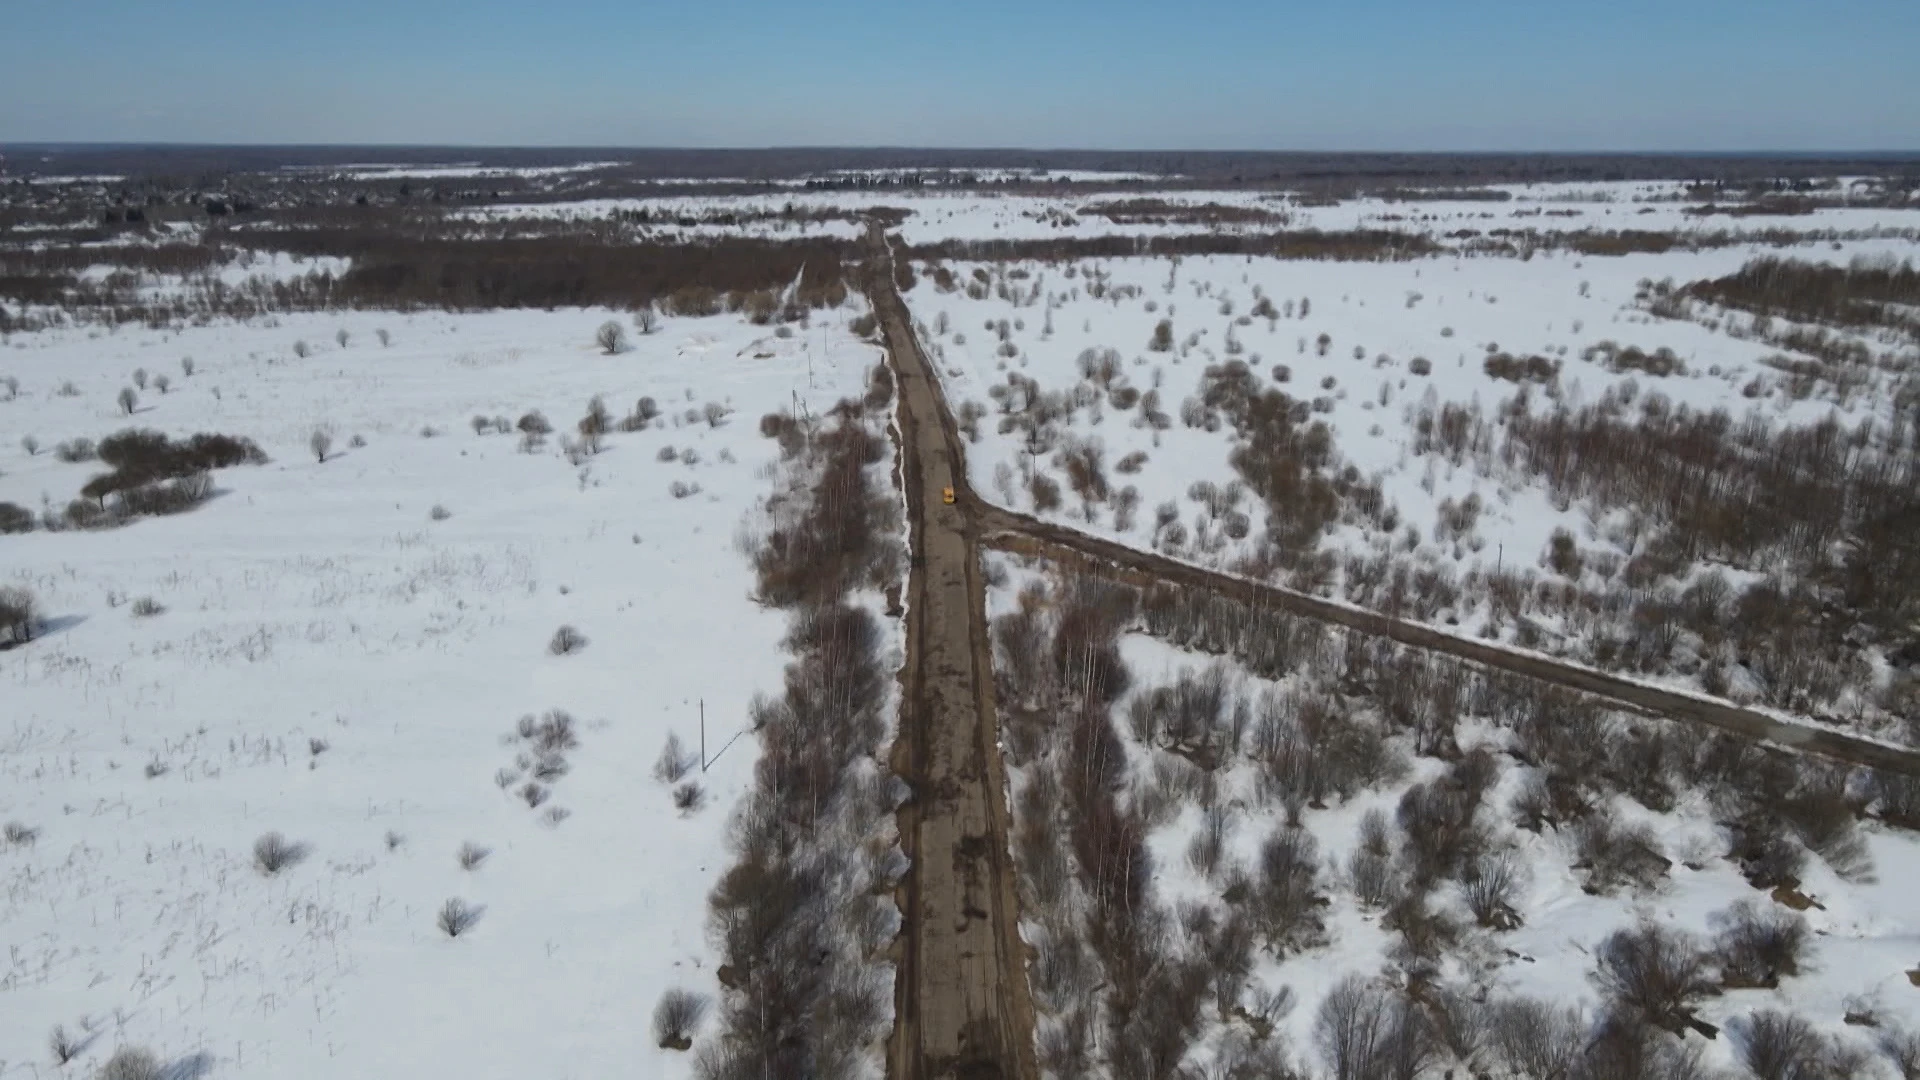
1381,351
344,655
940,215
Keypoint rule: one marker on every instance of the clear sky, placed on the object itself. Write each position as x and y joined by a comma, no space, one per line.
1186,74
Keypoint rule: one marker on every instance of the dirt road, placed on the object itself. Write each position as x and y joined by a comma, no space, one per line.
962,1006
1005,530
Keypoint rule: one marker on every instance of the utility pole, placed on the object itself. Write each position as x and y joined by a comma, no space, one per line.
703,735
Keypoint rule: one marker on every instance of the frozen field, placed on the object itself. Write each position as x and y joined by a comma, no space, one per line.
341,662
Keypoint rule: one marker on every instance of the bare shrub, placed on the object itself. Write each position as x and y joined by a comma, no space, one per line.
132,1063
1534,1039
646,319
147,607
689,797
75,451
1653,972
273,853
1757,945
611,337
18,833
15,518
1203,853
19,615
681,489
1781,1046
1162,340
471,855
566,641
677,1017
675,761
386,339
456,917
439,513
535,423
30,444
320,442
1492,885
161,382
64,1046
128,400
1902,1051
1287,907
1045,491
1438,820
1364,1032
1617,855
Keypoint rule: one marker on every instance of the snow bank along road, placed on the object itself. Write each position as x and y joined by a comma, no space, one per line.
963,1007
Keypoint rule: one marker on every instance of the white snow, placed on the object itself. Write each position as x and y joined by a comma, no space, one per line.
321,601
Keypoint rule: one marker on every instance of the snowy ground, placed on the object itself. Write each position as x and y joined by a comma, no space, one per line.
324,602
1402,339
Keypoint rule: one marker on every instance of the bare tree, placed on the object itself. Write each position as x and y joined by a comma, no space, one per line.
1357,1026
161,382
1492,885
1780,1046
140,378
646,319
128,400
1758,945
611,337
320,443
1653,972
30,444
1902,1051
677,1017
1537,1040
341,336
386,339
186,367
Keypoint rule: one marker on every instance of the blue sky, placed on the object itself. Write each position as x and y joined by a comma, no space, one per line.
1226,74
